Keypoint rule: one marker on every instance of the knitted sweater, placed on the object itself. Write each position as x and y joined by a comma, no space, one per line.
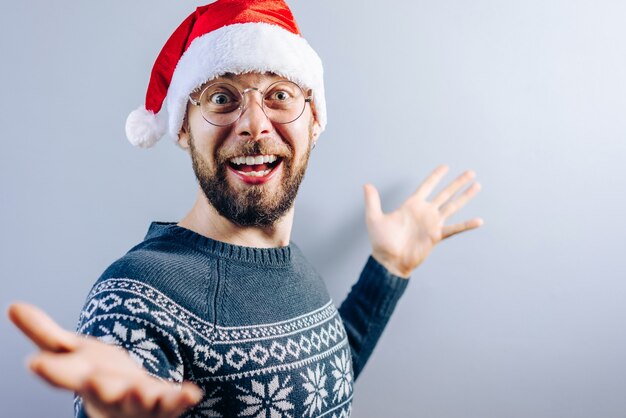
254,328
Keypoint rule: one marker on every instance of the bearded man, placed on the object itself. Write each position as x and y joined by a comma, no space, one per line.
220,314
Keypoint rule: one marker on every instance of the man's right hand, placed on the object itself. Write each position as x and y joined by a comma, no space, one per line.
109,381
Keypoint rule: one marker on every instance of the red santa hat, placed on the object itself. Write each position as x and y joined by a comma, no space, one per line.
227,36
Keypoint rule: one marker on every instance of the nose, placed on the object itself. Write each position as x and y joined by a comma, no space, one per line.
253,122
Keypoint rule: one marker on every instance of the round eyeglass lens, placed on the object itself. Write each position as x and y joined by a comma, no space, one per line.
220,104
283,101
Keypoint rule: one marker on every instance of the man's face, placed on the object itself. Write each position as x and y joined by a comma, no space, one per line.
250,193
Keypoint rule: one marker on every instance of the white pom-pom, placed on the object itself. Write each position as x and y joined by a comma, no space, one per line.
144,128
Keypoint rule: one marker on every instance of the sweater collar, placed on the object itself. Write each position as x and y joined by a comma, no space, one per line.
265,256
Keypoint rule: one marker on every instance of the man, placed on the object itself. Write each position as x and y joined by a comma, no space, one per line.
222,301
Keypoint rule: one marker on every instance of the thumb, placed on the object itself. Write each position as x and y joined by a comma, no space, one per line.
41,329
372,202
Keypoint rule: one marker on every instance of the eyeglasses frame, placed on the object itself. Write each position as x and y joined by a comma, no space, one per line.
307,99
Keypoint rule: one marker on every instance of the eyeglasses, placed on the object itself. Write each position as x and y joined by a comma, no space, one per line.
221,104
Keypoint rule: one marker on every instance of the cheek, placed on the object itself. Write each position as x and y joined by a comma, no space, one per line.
208,139
296,135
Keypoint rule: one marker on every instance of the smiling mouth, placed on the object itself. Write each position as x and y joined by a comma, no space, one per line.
255,165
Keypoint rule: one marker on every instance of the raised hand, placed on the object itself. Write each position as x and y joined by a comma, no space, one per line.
109,381
402,239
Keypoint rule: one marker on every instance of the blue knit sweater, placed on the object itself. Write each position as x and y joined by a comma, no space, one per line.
254,328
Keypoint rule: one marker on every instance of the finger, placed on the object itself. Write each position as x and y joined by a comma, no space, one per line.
191,394
372,202
41,329
455,186
176,401
130,397
431,181
449,230
145,394
60,369
454,205
109,388
94,407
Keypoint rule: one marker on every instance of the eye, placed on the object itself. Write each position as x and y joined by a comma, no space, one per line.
220,98
280,95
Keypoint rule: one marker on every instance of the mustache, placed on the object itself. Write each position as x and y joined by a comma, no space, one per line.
255,148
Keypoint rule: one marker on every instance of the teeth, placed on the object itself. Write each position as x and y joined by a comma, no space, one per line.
259,159
256,173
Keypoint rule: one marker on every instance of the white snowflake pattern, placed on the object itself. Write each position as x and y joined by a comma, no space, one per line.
267,400
314,383
344,413
134,341
176,375
343,376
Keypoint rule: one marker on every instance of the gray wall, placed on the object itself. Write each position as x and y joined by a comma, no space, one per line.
522,317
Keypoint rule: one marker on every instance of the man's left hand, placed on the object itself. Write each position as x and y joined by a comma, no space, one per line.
402,239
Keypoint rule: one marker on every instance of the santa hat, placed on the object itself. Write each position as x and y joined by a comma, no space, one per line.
234,36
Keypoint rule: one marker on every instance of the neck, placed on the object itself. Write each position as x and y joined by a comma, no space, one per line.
205,220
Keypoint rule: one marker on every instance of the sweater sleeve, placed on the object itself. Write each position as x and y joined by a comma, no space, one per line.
118,312
367,309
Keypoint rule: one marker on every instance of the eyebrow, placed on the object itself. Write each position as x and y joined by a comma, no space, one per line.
227,76
231,76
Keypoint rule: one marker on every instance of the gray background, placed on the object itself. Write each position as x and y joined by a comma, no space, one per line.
522,317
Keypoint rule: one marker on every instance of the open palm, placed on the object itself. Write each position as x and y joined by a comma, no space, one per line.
402,239
110,383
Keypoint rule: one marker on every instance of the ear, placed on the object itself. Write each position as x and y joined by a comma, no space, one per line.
316,130
183,134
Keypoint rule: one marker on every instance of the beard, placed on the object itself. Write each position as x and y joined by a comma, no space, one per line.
255,205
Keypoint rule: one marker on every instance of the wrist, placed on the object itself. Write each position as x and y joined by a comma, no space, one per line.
393,266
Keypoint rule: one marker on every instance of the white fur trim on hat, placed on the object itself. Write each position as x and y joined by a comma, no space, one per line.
144,128
242,48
